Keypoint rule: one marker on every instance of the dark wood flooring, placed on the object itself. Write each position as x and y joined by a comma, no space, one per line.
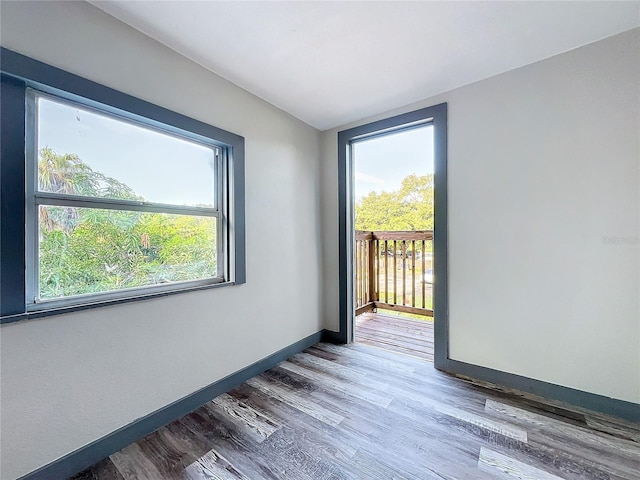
357,412
397,334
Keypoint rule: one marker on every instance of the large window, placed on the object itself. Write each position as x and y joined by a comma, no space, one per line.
116,204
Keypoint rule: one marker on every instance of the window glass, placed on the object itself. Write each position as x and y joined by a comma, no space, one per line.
89,238
93,250
84,152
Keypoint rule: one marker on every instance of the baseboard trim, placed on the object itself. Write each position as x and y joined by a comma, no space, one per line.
86,456
330,336
589,401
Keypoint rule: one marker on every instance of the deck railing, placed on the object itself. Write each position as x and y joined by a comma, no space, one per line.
394,271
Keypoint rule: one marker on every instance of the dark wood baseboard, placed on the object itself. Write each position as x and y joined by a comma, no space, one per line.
88,455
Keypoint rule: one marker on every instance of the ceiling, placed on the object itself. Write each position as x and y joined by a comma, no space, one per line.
329,63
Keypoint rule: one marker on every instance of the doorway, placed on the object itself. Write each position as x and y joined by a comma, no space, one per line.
393,250
394,261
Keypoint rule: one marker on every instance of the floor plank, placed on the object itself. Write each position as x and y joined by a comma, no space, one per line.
256,422
494,462
359,412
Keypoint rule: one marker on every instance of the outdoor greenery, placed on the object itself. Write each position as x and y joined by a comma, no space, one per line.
408,208
87,250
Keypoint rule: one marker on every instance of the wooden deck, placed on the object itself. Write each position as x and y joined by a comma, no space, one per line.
396,334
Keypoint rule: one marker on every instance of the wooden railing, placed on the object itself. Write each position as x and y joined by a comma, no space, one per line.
394,271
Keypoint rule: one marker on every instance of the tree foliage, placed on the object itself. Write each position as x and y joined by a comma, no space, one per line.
408,208
87,250
69,175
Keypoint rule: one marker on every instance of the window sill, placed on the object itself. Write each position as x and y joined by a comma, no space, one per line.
61,310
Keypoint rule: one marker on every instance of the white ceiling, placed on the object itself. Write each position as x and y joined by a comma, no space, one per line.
330,63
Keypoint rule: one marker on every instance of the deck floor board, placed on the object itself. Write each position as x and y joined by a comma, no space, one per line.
396,334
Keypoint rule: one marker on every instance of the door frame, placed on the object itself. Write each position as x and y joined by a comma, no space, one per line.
437,116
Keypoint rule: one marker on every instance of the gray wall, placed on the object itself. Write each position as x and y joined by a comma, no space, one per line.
543,219
68,380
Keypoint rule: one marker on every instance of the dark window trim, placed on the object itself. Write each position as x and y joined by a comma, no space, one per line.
12,197
19,73
436,116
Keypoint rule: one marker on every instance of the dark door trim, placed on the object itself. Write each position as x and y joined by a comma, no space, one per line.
436,116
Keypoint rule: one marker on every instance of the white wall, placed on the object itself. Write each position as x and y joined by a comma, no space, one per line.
69,380
543,219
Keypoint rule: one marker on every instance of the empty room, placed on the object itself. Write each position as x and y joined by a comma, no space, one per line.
219,260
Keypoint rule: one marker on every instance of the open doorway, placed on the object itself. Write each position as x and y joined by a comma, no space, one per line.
393,182
394,262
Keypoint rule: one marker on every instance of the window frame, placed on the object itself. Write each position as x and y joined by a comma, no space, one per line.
23,79
35,198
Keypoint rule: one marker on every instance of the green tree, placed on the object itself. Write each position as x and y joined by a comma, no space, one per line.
408,208
69,175
181,247
61,173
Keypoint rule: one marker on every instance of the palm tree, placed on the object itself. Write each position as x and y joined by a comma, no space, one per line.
64,174
68,174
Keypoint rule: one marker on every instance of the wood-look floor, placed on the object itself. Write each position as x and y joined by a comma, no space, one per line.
397,334
357,412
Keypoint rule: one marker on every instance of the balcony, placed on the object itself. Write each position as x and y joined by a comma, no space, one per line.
393,273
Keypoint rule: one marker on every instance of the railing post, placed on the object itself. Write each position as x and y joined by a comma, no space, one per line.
372,259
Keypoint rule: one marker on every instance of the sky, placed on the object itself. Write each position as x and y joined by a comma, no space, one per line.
159,167
381,163
166,169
